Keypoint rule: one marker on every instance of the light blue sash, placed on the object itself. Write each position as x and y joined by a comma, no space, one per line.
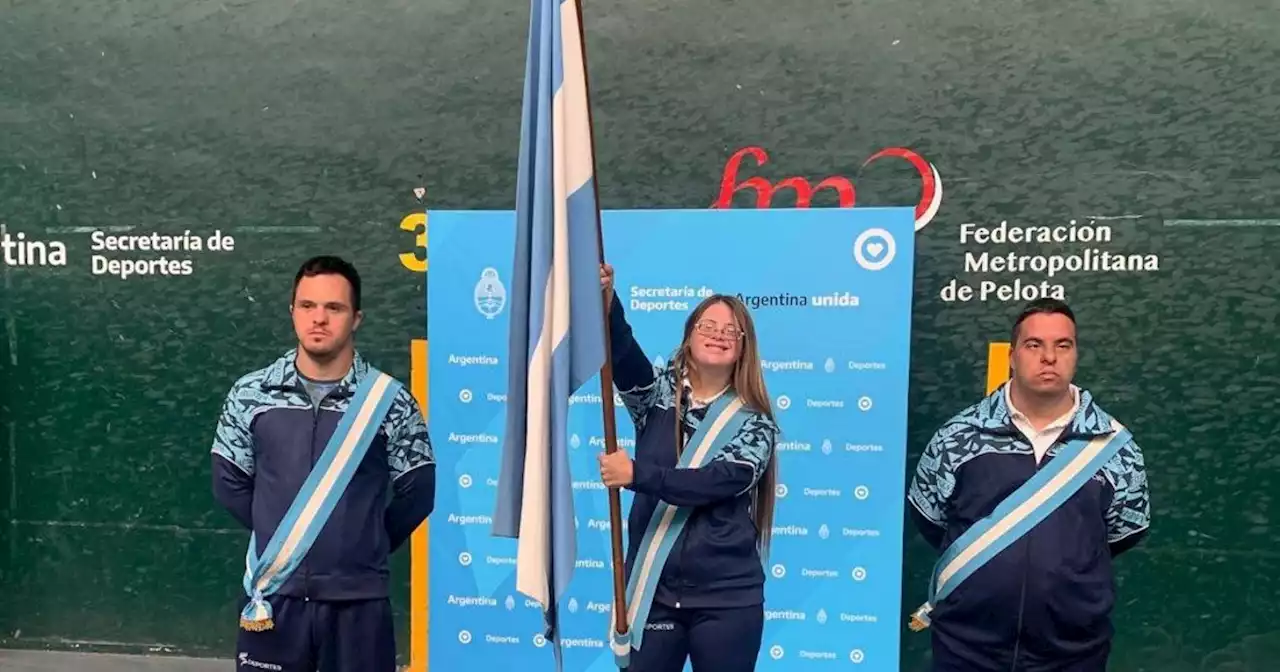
725,417
1021,511
315,501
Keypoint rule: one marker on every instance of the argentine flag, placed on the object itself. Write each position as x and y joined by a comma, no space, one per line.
557,314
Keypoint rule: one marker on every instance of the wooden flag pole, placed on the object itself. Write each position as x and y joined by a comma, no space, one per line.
606,372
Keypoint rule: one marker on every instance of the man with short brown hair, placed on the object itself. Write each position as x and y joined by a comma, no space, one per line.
1029,495
328,462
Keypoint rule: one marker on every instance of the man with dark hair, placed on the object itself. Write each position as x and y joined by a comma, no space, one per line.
1043,307
327,265
328,463
1029,495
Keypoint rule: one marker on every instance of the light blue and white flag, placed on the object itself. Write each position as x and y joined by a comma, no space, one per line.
557,313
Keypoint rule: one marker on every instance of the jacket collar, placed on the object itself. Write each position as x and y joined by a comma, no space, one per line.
283,374
992,415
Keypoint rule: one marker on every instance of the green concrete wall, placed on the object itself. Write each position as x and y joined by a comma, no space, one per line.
299,128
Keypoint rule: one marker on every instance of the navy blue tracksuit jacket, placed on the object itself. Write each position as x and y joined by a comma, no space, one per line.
1044,603
715,562
268,438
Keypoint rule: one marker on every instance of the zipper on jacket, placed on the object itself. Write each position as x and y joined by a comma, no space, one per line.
678,578
311,440
1022,605
1026,570
684,543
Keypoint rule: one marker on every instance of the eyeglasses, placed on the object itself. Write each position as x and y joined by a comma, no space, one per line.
711,328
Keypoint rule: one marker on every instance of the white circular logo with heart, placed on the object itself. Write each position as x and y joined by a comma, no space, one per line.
874,249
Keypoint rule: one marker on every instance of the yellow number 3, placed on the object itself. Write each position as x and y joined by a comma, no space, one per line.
416,221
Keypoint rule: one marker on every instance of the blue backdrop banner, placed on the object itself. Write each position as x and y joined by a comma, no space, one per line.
830,291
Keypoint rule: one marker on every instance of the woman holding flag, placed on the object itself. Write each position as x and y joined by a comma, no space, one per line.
704,476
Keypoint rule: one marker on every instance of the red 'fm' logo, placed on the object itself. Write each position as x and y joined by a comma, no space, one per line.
926,208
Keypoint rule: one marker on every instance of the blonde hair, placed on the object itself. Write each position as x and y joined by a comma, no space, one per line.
747,381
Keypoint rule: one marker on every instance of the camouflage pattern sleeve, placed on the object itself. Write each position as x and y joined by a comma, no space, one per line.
408,442
640,400
753,447
1130,510
232,439
933,482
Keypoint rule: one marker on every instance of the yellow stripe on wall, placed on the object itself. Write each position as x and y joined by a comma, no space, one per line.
419,543
997,365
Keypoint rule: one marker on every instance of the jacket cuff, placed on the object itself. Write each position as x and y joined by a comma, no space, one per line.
645,478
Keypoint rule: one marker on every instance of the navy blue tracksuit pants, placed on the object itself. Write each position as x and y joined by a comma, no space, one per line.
314,636
950,656
714,640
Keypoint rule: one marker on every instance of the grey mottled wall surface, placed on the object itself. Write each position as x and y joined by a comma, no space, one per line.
303,127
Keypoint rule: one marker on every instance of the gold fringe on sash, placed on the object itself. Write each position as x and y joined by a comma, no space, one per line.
257,626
